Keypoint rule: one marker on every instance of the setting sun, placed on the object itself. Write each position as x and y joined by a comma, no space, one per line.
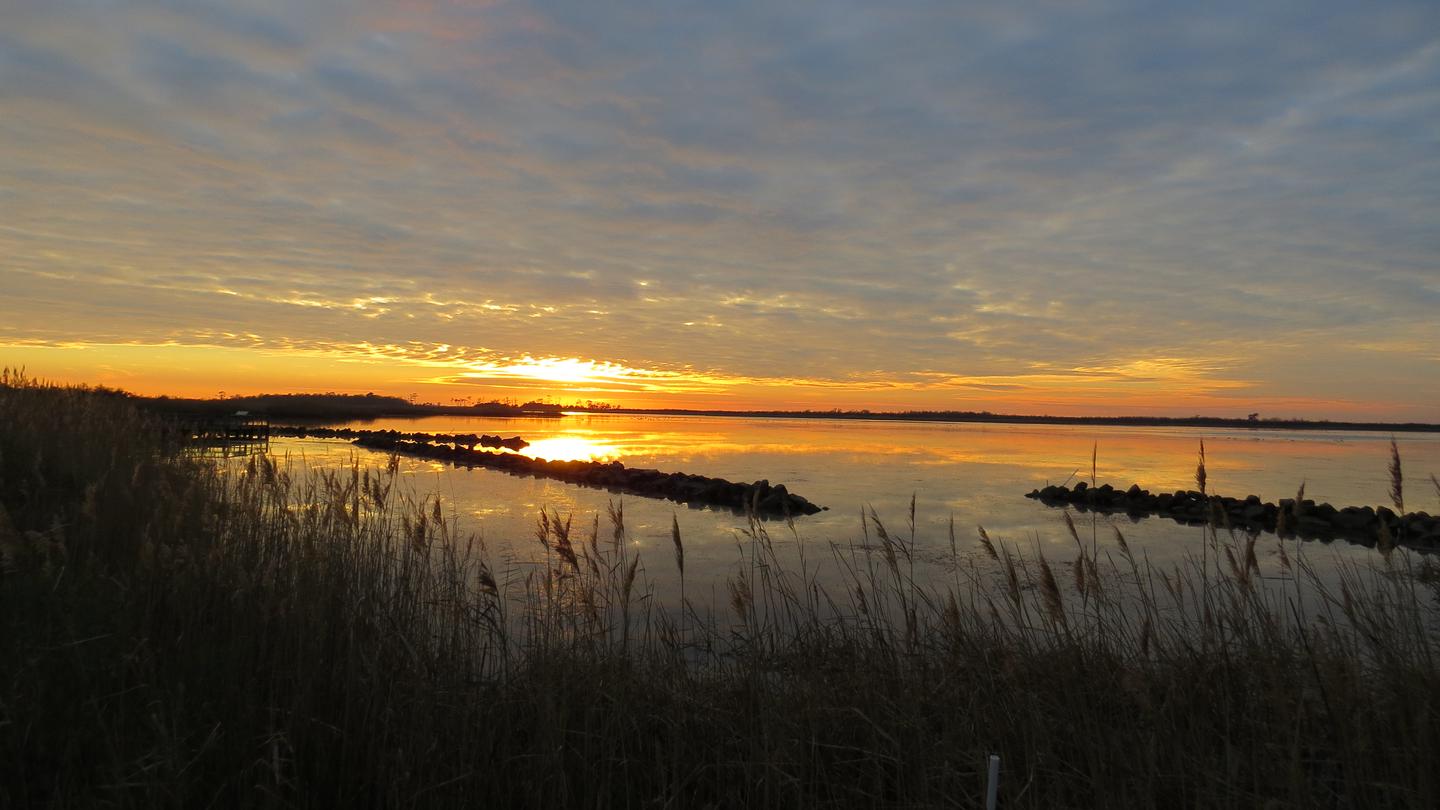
570,370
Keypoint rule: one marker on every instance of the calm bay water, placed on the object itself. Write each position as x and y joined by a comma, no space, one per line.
972,473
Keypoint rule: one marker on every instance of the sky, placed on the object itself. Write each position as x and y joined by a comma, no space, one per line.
1103,208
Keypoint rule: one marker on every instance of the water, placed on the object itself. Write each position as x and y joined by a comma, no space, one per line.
975,474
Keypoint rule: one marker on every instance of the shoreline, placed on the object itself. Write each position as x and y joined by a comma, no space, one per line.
321,409
1023,419
1289,425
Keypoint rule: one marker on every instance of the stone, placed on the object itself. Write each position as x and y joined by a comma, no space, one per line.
1321,521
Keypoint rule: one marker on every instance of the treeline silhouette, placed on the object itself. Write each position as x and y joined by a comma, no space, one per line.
1005,418
335,406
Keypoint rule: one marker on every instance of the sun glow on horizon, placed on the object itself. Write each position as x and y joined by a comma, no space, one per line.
571,370
577,375
441,372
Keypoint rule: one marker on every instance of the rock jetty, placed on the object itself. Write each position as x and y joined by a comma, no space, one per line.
469,440
1307,519
759,497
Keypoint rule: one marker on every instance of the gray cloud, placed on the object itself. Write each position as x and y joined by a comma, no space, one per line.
832,190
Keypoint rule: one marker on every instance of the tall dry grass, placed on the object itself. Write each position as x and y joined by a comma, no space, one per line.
180,634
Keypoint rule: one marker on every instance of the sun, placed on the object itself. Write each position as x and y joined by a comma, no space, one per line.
567,370
571,370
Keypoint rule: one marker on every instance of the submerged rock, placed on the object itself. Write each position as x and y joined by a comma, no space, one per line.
759,498
469,440
1307,519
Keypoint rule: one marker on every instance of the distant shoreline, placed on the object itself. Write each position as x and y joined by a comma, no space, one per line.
342,407
319,409
1022,419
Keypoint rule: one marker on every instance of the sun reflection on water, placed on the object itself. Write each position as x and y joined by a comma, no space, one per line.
571,448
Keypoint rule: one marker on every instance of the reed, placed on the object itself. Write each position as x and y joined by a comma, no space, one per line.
175,633
1397,479
1200,476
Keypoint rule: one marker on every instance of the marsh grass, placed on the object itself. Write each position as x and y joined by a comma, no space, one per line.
175,633
1397,479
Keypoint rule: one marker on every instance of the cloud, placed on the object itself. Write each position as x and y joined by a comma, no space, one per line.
837,193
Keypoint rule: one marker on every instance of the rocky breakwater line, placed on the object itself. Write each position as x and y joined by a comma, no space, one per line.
760,497
468,440
1359,524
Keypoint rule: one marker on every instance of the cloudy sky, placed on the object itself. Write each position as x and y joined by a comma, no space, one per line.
1102,208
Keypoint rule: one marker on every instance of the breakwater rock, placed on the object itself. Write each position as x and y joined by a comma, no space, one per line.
469,440
759,497
1305,518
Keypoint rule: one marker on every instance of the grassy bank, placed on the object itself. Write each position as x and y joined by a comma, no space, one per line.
172,635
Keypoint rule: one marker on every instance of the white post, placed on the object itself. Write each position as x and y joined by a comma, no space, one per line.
992,784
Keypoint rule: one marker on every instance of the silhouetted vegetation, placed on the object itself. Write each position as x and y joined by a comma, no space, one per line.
175,635
1251,422
333,407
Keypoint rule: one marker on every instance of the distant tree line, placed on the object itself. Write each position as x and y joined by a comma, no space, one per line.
331,405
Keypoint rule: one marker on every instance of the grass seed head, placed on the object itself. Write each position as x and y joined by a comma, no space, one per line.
679,546
1200,476
986,544
1397,480
1050,591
